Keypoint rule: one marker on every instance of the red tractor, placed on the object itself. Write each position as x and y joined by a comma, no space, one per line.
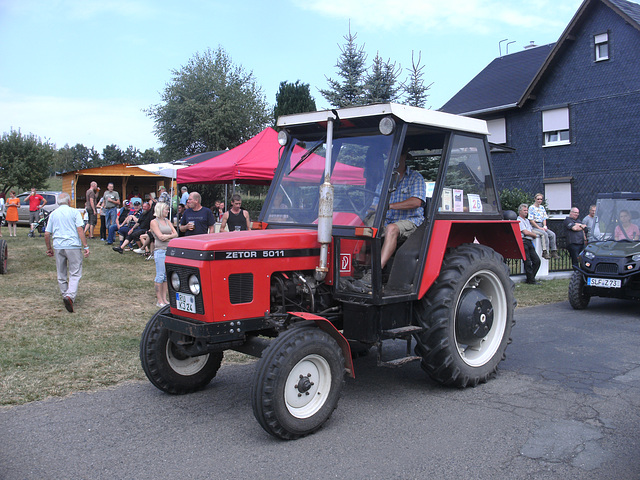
305,288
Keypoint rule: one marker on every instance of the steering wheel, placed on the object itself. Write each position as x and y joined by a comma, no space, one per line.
367,200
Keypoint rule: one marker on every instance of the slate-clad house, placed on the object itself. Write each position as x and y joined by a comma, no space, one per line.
569,112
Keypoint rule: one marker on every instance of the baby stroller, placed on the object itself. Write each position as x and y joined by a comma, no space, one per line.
41,225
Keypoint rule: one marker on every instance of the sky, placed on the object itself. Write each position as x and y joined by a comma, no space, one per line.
85,71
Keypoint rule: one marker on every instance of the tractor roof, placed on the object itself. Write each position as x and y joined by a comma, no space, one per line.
404,113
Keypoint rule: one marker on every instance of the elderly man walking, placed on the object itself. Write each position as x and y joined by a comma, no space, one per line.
66,228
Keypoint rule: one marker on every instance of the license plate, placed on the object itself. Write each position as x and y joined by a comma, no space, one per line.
604,282
185,302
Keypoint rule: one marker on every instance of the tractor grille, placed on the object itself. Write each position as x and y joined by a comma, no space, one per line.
241,288
184,273
607,268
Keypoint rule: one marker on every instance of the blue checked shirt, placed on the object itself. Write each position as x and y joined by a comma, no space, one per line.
411,185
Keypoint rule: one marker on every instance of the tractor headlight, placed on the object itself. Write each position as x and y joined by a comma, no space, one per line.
589,255
283,137
175,281
387,125
636,257
194,284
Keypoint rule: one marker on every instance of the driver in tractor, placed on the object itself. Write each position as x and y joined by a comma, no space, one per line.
406,207
406,210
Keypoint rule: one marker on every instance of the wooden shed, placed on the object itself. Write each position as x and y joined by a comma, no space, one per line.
128,181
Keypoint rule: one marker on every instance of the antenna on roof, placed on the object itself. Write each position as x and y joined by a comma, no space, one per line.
508,46
500,46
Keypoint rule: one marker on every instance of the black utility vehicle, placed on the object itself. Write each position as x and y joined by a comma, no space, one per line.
609,266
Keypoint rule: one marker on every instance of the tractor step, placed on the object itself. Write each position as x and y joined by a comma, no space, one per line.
401,332
398,362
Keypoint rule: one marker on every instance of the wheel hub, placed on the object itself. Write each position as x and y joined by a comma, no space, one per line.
475,317
304,384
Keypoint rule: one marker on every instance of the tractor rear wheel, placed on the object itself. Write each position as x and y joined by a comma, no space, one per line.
3,256
297,382
467,315
168,368
577,297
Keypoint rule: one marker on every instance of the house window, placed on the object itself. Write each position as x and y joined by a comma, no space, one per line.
555,126
497,130
557,193
601,42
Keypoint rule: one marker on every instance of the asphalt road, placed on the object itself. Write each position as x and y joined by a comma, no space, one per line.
565,404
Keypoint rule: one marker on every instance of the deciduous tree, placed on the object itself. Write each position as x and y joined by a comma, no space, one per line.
210,104
25,161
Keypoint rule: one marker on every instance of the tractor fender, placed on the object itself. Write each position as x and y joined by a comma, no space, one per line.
502,236
324,324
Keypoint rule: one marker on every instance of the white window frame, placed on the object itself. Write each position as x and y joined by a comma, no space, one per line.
555,127
601,46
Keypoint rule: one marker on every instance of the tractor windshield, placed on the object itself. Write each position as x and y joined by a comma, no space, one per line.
358,168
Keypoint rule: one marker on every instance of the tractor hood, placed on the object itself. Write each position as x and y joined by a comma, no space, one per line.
248,240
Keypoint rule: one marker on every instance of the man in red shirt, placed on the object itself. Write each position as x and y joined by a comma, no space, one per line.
36,202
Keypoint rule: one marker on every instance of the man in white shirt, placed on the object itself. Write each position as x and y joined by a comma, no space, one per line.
66,227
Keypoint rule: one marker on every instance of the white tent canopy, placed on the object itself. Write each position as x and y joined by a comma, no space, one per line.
163,169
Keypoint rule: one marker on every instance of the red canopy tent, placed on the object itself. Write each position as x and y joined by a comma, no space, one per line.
255,161
251,162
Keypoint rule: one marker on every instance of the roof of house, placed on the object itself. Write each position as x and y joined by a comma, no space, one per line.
501,84
508,81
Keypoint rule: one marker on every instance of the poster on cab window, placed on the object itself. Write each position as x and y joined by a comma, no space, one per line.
447,200
457,200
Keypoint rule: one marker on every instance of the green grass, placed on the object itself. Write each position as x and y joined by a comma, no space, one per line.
46,351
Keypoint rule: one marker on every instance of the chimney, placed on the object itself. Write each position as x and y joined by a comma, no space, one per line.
531,45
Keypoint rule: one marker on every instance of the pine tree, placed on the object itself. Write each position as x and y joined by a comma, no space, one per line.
351,67
380,83
414,87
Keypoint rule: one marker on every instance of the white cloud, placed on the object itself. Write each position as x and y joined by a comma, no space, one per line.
91,122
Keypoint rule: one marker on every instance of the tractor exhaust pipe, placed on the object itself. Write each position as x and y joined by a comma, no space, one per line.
325,208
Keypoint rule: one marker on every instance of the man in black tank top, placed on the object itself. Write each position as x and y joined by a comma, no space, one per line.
236,218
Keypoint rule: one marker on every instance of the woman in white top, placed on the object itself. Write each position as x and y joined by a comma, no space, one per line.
163,231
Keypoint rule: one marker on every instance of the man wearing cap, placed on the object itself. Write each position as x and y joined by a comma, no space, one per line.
130,220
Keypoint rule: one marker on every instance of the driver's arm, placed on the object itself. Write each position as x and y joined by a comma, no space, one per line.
408,204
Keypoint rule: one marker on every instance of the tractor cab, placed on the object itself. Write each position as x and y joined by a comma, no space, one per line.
362,161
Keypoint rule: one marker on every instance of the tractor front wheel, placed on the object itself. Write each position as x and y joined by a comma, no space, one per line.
467,317
297,383
166,365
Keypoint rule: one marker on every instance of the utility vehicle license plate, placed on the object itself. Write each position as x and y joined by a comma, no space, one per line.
604,282
185,302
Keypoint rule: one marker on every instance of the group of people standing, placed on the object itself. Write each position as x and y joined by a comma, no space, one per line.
533,224
9,208
66,234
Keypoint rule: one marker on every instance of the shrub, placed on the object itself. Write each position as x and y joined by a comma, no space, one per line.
512,198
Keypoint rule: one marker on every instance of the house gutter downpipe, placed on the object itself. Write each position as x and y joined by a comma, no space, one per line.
325,208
